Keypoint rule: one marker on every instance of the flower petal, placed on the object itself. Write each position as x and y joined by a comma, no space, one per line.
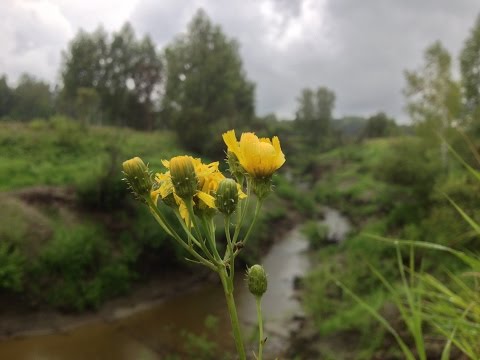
209,200
231,141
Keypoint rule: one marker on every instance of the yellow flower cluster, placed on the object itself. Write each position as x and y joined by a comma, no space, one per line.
187,178
196,191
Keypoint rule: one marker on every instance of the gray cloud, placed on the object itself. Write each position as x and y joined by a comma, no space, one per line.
357,48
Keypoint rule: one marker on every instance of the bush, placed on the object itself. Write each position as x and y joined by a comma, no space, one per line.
69,134
316,233
411,174
23,230
11,267
38,124
286,190
103,188
79,269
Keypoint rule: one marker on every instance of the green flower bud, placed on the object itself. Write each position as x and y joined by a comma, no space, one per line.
183,176
226,197
257,280
138,177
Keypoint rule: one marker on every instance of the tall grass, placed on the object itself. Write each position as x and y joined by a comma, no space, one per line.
450,306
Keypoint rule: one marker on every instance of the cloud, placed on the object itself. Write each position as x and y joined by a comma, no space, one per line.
34,32
357,48
30,34
379,39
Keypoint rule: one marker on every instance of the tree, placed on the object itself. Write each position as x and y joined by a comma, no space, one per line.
433,97
84,63
325,105
6,97
206,87
87,106
31,98
314,115
379,125
125,72
470,70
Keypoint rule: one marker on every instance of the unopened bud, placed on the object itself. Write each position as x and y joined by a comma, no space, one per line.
257,280
138,177
183,176
226,197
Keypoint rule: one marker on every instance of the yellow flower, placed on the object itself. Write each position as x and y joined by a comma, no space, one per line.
260,157
207,177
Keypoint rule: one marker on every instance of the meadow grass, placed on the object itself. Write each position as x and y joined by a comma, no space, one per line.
66,153
360,277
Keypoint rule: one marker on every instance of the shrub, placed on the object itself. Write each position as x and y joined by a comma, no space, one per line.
11,267
316,233
103,188
79,267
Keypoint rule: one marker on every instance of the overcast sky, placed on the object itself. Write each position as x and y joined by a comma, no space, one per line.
357,48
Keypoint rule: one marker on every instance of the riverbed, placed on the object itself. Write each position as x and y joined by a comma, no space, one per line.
156,330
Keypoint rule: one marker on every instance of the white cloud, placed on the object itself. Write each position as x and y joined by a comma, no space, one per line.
357,48
30,34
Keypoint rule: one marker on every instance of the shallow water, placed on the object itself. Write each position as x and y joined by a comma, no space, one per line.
338,225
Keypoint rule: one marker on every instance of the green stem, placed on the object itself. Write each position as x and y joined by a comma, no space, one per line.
186,230
229,254
242,211
232,310
193,218
200,244
258,300
210,236
255,217
170,231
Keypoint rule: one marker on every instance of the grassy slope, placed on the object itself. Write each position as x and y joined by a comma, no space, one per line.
88,244
350,180
100,240
62,153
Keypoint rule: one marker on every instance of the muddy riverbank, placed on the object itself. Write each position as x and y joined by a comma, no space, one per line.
19,320
151,322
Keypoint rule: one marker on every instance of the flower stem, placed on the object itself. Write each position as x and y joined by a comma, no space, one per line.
228,290
255,217
229,254
258,300
210,235
241,211
200,244
169,230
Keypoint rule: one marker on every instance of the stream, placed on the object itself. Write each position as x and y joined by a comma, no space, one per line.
156,331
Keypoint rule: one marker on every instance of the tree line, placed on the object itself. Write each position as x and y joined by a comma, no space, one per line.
197,85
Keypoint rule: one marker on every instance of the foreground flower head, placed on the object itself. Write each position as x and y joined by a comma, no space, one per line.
260,157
